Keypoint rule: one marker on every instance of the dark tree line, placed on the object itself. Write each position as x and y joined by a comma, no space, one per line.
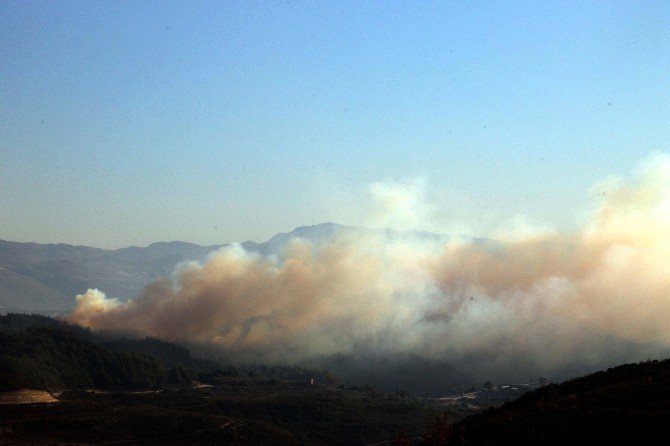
48,358
44,353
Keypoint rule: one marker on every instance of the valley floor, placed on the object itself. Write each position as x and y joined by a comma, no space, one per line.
236,411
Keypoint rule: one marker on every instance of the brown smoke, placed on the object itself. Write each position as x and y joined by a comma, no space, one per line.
546,297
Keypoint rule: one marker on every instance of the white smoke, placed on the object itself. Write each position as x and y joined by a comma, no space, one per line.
542,298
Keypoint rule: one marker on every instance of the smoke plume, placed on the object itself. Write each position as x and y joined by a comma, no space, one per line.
596,295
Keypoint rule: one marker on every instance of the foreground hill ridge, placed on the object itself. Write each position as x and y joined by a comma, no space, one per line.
45,278
627,404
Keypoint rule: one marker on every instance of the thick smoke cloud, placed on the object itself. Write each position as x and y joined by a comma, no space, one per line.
597,295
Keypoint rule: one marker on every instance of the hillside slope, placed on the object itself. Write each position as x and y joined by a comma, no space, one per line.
628,404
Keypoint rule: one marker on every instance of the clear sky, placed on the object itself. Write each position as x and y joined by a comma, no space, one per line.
133,122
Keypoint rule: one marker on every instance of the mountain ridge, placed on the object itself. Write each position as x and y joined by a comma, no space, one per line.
45,278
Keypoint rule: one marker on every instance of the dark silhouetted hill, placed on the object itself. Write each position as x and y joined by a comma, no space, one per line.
628,404
44,353
40,352
53,359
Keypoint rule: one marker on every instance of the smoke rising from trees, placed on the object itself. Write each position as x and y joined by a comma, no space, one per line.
542,300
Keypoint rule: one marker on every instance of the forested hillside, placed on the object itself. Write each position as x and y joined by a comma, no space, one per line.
52,359
40,352
629,404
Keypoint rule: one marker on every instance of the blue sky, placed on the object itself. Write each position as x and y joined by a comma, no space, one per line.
133,122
